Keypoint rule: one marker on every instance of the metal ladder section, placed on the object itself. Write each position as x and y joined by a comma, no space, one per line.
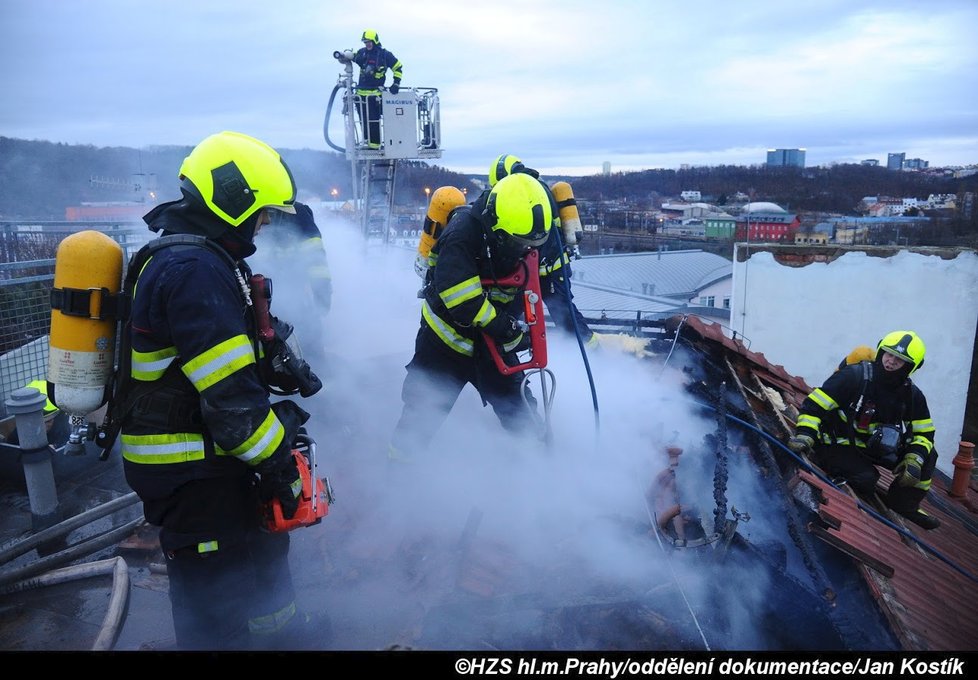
377,182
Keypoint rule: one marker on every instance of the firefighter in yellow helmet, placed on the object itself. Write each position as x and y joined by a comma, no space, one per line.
374,61
555,273
200,439
870,414
483,241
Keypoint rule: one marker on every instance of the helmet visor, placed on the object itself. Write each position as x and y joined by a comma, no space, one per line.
531,240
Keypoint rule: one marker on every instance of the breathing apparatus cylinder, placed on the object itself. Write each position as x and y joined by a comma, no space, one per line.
570,220
84,309
443,202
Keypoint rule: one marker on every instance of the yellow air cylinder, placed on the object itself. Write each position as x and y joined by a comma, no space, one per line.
87,271
570,220
443,202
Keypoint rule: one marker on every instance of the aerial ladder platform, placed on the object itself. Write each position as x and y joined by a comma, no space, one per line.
410,129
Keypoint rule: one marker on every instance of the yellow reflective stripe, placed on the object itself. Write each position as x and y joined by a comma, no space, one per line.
159,449
272,623
261,444
808,421
823,400
485,314
504,295
920,440
546,269
320,272
219,362
925,425
459,343
459,293
207,546
512,344
150,366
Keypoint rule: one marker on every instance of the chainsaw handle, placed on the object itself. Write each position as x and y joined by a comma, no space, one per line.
533,304
526,276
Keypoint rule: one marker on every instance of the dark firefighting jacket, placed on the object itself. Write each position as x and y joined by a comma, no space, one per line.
295,242
196,406
457,305
373,68
857,401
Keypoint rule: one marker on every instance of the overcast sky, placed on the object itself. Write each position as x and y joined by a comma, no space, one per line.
565,84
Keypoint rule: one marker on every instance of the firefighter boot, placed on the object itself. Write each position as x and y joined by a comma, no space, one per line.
906,502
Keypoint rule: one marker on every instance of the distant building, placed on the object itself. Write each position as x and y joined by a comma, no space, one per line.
915,164
606,168
763,221
781,158
720,226
690,196
870,161
894,161
816,236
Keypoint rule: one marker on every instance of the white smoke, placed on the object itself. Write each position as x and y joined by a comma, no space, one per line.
490,540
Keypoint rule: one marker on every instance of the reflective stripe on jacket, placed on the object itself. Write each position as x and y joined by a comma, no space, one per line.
457,305
199,402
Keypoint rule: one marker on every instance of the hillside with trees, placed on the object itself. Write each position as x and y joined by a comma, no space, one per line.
38,180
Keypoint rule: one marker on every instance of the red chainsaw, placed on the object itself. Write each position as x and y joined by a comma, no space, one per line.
315,498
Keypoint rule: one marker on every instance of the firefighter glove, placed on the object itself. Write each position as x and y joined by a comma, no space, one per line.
395,87
283,483
505,328
801,443
292,417
908,470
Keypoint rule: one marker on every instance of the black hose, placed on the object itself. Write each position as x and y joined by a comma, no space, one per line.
577,333
329,109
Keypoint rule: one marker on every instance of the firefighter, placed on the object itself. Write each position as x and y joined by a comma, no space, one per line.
870,413
297,239
202,444
483,241
555,273
374,61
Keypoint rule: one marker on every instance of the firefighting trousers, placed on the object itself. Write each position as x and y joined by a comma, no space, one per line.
859,470
370,109
436,376
230,583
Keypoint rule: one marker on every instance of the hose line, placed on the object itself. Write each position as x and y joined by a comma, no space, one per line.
115,614
19,548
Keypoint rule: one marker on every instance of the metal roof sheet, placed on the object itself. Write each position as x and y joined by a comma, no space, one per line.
676,273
